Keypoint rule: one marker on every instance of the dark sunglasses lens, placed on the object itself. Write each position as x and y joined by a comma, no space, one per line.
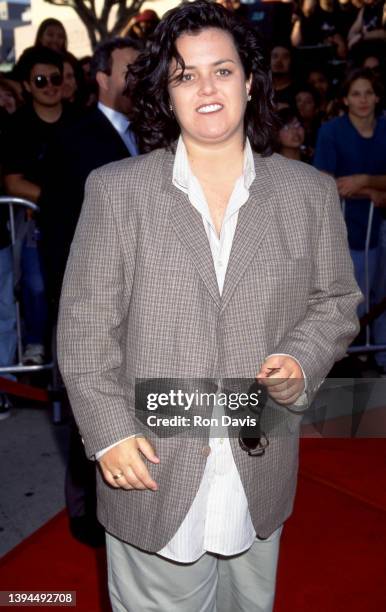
56,79
40,81
251,443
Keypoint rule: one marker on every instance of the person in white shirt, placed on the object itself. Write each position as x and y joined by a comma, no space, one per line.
184,283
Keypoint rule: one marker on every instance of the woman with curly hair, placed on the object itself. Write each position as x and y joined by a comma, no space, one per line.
160,72
200,267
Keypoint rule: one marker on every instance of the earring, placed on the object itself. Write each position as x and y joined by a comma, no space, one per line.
249,97
170,108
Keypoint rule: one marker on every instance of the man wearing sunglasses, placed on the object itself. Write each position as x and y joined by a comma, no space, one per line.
27,138
97,138
100,136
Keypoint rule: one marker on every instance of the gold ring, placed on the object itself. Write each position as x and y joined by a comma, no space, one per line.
117,476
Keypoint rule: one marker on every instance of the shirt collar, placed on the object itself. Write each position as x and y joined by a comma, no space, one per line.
182,172
119,121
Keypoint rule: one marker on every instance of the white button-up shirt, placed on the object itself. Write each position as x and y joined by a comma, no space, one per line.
218,520
120,122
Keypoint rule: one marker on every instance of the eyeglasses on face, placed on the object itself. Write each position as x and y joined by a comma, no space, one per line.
41,80
295,125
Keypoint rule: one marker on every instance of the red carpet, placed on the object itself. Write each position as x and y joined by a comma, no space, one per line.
333,554
51,560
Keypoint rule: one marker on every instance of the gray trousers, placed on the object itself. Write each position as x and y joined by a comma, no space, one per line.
145,582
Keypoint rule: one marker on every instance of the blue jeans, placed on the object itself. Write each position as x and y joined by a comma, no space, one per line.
358,258
377,285
8,336
379,327
35,308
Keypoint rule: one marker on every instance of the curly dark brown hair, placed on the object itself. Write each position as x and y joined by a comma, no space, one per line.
153,121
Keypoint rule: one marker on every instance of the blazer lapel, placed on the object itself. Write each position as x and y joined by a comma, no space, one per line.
187,223
188,226
253,222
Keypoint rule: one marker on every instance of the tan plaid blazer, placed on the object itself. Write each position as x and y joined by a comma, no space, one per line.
140,300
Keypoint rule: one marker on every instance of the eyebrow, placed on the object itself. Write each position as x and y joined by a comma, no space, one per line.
221,61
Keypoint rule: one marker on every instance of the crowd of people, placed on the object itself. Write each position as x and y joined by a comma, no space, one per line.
62,117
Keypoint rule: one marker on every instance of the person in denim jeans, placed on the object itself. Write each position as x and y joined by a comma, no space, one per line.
352,148
379,325
26,141
8,336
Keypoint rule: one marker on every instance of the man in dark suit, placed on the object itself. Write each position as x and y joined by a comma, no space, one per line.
99,137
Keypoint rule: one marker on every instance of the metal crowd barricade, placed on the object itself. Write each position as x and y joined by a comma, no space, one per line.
367,347
19,367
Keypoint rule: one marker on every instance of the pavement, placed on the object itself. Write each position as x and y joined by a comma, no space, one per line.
33,454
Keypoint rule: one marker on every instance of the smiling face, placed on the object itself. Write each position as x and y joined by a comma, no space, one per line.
49,95
54,37
361,99
209,101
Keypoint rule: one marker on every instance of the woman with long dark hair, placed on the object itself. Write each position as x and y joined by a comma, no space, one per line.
51,34
199,268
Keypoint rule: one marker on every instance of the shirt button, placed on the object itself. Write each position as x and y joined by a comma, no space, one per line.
220,263
206,451
221,440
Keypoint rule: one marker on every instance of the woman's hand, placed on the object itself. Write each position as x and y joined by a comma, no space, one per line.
283,377
123,468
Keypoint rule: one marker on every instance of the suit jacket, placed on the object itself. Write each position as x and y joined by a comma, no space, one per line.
140,300
89,143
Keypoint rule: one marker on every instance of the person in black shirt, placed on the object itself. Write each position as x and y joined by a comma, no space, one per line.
307,102
370,23
26,140
281,67
320,22
348,14
97,138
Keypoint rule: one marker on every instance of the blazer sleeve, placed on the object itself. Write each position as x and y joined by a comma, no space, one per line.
331,321
93,310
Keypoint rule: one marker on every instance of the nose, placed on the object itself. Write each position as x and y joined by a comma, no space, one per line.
363,98
207,85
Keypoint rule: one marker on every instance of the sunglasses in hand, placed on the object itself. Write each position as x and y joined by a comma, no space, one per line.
252,438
